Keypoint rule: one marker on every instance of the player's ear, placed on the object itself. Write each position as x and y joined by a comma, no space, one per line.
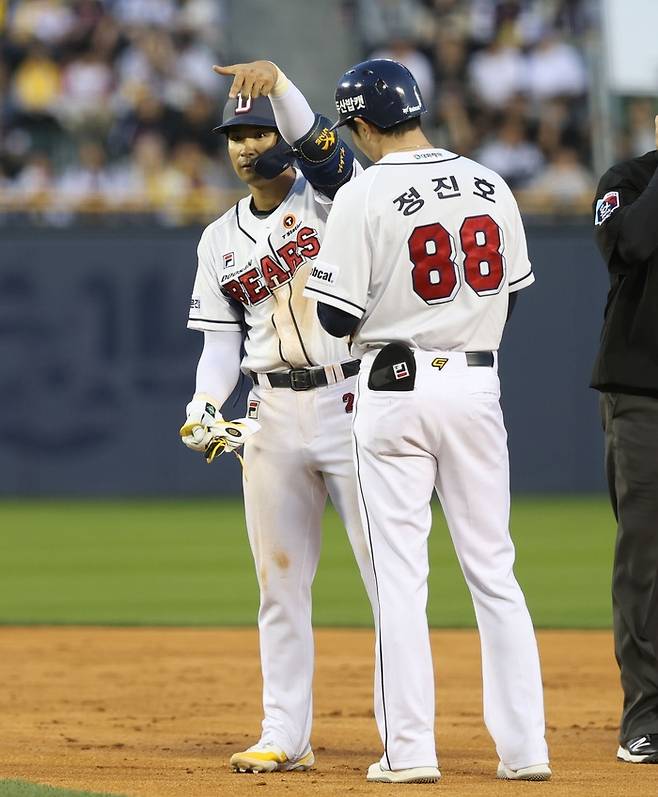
362,128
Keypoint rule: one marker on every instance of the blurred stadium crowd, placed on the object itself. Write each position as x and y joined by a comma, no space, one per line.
108,105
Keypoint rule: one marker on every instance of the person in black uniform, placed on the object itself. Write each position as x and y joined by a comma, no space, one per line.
626,373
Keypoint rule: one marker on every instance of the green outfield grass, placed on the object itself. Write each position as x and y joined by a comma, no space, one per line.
188,563
21,788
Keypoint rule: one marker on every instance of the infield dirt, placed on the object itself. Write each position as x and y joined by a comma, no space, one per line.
156,712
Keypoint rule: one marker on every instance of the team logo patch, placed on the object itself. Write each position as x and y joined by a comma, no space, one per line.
244,104
195,303
229,260
400,371
439,362
326,139
606,207
252,410
289,221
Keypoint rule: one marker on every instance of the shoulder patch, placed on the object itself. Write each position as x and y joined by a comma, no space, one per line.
606,207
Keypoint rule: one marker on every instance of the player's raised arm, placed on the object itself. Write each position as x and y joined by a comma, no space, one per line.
324,158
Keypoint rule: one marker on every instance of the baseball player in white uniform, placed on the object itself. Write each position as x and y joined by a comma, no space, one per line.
252,266
421,255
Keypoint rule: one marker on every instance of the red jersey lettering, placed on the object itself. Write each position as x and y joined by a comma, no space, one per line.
233,289
291,256
273,274
252,282
308,242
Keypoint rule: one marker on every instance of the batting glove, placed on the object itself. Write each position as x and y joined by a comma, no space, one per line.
229,436
202,415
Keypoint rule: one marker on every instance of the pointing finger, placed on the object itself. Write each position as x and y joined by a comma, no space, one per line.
225,70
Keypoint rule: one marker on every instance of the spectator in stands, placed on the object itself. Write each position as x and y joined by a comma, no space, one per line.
558,120
380,20
36,83
196,124
564,183
510,154
136,74
206,19
86,89
33,186
139,182
497,73
145,13
46,21
86,184
555,69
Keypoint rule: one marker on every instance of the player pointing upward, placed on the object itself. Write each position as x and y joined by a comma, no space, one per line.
253,263
419,259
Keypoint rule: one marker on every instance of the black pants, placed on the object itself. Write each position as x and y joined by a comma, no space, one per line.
631,458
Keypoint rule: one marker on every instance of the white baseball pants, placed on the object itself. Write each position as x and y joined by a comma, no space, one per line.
447,434
302,453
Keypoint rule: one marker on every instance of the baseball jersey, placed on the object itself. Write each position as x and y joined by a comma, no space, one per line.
251,272
424,247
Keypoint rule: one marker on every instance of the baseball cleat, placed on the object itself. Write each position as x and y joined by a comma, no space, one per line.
377,774
535,772
641,750
269,758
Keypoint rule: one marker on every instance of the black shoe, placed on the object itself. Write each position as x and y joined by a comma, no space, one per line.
641,750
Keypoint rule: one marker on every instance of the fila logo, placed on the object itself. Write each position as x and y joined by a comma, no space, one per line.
400,371
244,104
229,259
439,362
252,411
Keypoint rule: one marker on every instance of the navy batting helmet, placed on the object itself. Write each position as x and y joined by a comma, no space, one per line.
380,91
246,111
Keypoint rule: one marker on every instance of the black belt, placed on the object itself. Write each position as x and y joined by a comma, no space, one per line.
481,358
306,378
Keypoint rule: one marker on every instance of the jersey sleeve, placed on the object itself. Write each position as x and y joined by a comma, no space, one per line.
210,309
520,268
624,219
341,274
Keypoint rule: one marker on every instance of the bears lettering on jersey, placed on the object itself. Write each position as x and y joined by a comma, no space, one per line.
255,284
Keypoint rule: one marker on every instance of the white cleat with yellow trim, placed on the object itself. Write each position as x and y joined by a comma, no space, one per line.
270,758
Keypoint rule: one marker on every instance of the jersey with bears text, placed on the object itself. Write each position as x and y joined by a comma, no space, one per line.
256,267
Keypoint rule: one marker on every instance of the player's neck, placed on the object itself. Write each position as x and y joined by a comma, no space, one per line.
414,139
271,193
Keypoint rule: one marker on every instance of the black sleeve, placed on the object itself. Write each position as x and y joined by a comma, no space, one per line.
625,219
336,322
512,304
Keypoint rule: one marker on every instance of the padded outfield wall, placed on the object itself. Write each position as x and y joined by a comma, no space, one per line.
96,365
